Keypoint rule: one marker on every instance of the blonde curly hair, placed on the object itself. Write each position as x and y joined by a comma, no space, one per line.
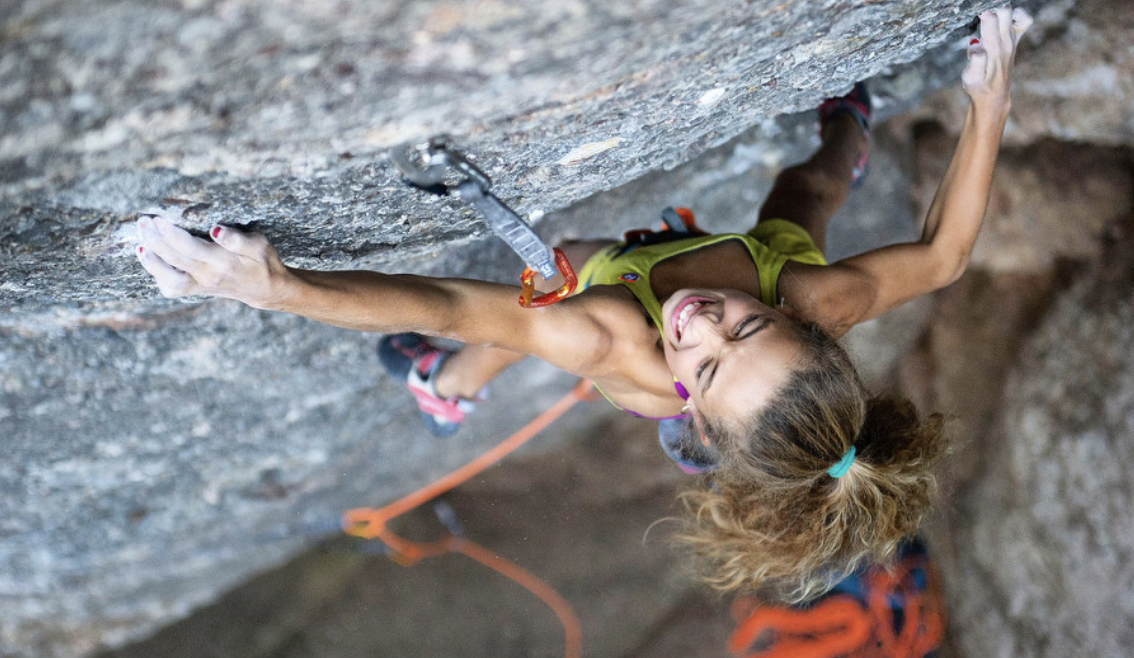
772,519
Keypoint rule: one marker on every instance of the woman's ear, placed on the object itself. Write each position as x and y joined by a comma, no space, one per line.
788,312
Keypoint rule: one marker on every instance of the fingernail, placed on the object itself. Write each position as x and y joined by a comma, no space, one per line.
141,250
216,232
974,42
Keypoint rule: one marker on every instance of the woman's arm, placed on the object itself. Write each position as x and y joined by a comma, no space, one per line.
572,334
867,285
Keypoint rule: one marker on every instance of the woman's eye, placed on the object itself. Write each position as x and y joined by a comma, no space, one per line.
701,370
744,324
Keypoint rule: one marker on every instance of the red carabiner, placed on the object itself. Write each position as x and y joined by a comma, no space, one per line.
527,284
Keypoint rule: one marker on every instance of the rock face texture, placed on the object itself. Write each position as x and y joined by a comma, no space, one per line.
1077,71
1029,354
156,453
1042,563
279,114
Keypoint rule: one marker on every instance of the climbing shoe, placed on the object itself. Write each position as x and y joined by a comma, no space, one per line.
858,106
412,360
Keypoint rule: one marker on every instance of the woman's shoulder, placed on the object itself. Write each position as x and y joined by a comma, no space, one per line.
631,365
595,329
620,315
827,295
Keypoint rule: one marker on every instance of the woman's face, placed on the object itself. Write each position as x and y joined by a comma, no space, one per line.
729,350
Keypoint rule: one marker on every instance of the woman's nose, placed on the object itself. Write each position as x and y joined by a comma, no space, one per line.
703,329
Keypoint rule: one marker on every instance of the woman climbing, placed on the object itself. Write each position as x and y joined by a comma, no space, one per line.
812,476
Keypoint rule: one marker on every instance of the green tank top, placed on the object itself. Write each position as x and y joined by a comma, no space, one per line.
630,266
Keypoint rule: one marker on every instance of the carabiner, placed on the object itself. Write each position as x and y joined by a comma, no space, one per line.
425,167
527,284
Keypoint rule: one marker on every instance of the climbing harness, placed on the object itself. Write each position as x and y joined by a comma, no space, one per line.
426,166
370,523
677,224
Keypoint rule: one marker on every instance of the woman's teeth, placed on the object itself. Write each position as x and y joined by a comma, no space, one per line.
686,313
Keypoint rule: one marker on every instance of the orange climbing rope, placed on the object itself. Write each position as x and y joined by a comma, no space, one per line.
370,523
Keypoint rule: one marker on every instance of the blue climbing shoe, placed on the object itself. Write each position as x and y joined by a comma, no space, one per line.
413,361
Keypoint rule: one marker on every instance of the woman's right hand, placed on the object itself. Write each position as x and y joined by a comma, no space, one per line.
234,265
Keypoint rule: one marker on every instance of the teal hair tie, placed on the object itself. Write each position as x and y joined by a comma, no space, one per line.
843,465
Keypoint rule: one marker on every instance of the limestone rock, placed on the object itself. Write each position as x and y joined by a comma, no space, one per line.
1078,81
279,115
1072,81
1046,565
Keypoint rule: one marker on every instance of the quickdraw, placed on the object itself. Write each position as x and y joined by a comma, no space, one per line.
527,284
426,166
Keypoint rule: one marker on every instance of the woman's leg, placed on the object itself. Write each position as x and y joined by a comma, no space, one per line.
811,193
468,371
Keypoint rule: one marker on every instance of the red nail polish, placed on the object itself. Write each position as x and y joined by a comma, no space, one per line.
974,42
141,250
216,232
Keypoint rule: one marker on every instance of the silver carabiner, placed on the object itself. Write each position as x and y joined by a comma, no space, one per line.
426,166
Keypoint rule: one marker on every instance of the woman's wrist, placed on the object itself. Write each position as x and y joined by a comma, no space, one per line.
283,286
988,115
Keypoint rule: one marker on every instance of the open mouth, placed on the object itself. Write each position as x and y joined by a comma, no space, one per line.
684,312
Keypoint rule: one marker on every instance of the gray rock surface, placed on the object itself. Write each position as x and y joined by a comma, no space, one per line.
1048,566
583,518
1075,64
155,453
280,114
